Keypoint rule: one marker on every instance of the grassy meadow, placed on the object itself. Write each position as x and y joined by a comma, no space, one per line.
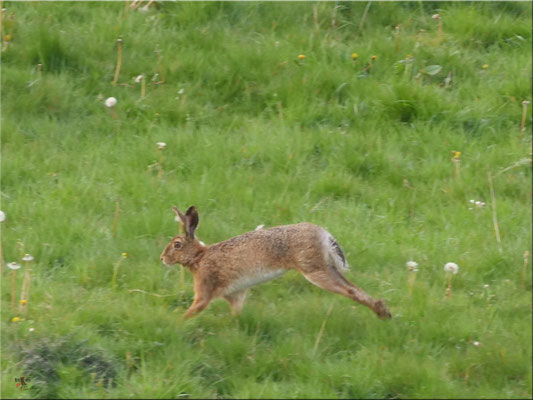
378,121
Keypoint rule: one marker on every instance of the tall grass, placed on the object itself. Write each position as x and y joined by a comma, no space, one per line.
256,136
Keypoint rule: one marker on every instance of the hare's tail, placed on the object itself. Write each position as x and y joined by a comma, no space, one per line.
334,253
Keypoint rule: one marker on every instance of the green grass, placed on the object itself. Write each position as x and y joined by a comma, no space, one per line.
258,137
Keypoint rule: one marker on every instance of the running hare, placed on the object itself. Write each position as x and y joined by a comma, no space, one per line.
226,269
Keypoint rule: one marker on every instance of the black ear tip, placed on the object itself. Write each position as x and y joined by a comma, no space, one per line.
190,210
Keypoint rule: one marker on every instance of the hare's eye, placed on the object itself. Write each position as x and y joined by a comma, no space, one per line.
177,245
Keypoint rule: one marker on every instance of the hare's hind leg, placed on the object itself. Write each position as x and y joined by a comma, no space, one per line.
329,278
236,300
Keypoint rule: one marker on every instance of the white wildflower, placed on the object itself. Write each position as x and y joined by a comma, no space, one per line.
412,266
476,343
139,78
451,267
181,91
27,257
111,102
161,145
258,227
13,265
2,216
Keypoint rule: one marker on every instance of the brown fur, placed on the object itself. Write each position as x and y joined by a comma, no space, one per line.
226,269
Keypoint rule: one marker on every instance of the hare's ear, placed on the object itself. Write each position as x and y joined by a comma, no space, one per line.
182,217
192,219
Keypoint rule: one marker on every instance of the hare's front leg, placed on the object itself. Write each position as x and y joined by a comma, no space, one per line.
202,297
236,301
198,305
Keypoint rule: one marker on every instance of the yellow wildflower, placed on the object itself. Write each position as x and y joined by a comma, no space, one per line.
374,57
124,255
355,56
456,154
485,66
301,57
15,319
23,302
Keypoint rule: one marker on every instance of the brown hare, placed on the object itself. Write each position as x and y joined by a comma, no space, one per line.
227,269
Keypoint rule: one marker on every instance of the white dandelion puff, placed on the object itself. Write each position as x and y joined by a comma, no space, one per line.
412,266
451,267
13,265
111,102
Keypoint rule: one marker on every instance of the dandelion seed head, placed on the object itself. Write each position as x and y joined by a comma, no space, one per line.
13,265
451,267
412,266
111,102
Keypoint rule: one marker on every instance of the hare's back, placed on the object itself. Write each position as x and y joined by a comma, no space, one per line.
279,244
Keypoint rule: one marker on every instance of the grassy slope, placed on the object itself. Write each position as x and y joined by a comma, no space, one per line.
259,137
